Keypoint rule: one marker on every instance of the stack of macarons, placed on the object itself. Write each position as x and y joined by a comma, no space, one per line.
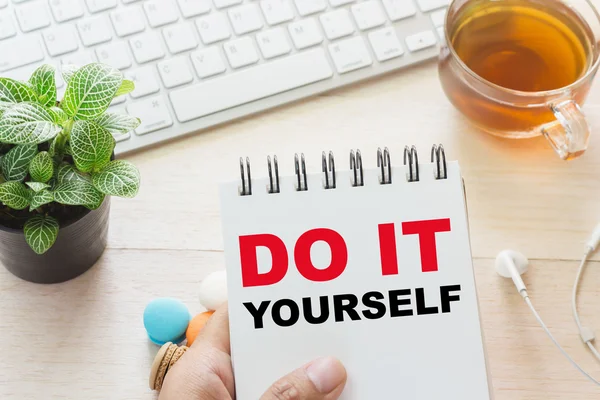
169,320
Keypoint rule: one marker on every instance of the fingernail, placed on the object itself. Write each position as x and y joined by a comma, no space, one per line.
326,374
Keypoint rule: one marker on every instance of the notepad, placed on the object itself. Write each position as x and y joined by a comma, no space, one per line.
372,266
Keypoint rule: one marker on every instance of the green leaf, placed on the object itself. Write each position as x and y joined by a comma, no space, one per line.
15,195
90,91
59,115
91,146
43,82
68,173
77,193
12,92
41,167
127,86
118,123
41,233
27,123
15,164
40,198
95,205
67,72
118,178
37,186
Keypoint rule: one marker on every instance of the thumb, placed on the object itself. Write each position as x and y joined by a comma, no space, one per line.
322,379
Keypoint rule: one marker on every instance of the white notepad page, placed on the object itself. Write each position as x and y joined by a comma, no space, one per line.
425,356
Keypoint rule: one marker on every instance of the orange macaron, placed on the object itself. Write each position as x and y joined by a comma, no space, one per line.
196,325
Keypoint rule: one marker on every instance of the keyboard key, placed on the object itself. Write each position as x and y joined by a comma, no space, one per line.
337,3
160,12
147,47
438,18
20,51
128,21
213,28
60,40
32,16
429,5
153,114
240,52
305,33
94,30
145,81
277,11
368,14
180,37
66,10
273,43
250,84
79,59
441,33
174,72
192,8
307,7
337,24
121,137
245,18
7,25
100,5
399,9
226,3
208,62
421,41
350,54
385,44
118,100
115,54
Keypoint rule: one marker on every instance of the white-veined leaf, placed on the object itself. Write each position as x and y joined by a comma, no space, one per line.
77,193
58,114
43,82
118,178
67,71
68,173
37,186
91,146
15,195
15,163
127,86
41,233
117,123
41,167
90,91
12,92
40,198
27,123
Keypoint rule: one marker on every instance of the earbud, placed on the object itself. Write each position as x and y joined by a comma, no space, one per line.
512,264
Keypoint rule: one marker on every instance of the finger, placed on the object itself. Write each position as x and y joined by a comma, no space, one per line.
216,331
322,379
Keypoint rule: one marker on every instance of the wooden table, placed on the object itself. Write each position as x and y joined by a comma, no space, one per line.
85,339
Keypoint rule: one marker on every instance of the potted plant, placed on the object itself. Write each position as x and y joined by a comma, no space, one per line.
58,171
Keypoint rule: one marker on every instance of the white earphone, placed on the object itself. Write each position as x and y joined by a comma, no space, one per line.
511,264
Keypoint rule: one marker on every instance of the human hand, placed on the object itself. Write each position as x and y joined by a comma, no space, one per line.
204,372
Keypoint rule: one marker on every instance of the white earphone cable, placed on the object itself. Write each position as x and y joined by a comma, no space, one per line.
587,335
543,325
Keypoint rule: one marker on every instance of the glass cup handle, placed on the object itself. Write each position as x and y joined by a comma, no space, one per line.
569,135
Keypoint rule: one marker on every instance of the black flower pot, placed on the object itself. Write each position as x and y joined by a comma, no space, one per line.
77,248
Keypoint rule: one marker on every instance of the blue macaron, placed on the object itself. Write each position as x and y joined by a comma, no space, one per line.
166,320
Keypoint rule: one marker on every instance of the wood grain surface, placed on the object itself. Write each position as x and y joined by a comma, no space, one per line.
85,339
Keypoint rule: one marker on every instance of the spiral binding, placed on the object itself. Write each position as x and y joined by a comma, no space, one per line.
357,169
384,164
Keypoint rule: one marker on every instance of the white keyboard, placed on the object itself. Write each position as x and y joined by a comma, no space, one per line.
199,63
